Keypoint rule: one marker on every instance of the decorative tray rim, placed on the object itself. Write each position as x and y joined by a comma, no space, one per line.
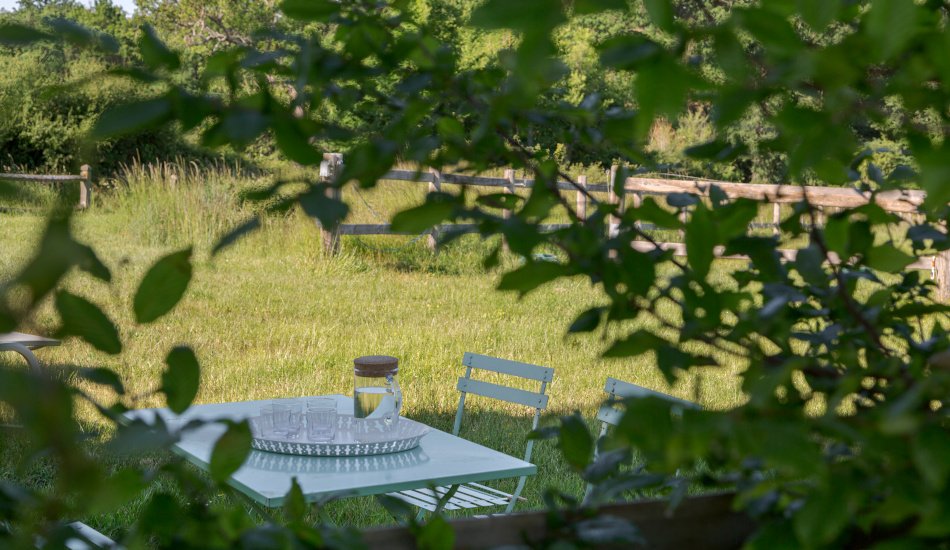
346,443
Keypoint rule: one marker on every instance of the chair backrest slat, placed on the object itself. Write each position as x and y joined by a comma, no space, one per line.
609,414
622,390
618,389
504,393
506,366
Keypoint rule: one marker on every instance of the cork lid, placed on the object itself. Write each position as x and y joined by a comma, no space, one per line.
375,366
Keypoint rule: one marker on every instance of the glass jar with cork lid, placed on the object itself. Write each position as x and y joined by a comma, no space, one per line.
376,392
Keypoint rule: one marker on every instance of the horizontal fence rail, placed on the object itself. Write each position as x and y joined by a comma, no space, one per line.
904,203
84,178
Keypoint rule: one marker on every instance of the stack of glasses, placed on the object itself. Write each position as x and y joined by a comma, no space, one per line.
285,419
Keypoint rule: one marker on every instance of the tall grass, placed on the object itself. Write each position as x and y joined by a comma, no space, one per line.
176,203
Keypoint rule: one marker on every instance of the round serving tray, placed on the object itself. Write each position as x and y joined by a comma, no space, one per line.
354,437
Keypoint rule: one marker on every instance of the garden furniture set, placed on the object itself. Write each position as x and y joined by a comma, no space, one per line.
440,471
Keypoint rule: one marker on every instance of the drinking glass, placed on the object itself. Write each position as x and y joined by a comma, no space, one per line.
263,425
321,419
288,418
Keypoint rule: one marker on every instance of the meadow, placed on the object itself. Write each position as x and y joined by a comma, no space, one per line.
273,317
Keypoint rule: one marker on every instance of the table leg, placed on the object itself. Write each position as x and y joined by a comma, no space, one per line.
241,498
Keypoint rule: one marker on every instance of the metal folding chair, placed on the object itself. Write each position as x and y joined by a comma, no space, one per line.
476,495
610,412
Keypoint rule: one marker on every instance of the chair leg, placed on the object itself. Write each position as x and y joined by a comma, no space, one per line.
515,495
31,359
444,499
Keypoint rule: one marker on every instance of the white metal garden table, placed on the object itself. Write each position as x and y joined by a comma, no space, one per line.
265,478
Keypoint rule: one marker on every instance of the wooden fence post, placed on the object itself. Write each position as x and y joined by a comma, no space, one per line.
637,200
582,198
331,236
684,217
506,213
85,186
776,218
613,222
942,275
435,186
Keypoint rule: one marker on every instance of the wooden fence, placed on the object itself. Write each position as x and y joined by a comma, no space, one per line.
903,203
706,521
84,179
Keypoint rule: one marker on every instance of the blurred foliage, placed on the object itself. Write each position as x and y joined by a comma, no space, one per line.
49,101
843,440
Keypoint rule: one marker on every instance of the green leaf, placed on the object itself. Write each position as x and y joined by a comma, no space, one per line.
930,452
529,16
808,262
762,252
822,518
701,238
934,172
180,381
771,29
84,319
154,52
638,271
660,12
717,150
774,535
116,491
583,7
818,13
294,142
888,258
436,534
650,211
163,286
437,208
14,34
532,275
836,232
230,451
295,505
161,516
399,509
575,441
661,90
890,24
330,211
132,117
734,218
628,52
310,10
79,35
243,125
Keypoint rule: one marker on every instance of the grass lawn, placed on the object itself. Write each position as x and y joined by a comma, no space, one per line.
271,317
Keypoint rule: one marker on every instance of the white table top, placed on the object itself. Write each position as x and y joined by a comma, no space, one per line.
29,340
440,459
